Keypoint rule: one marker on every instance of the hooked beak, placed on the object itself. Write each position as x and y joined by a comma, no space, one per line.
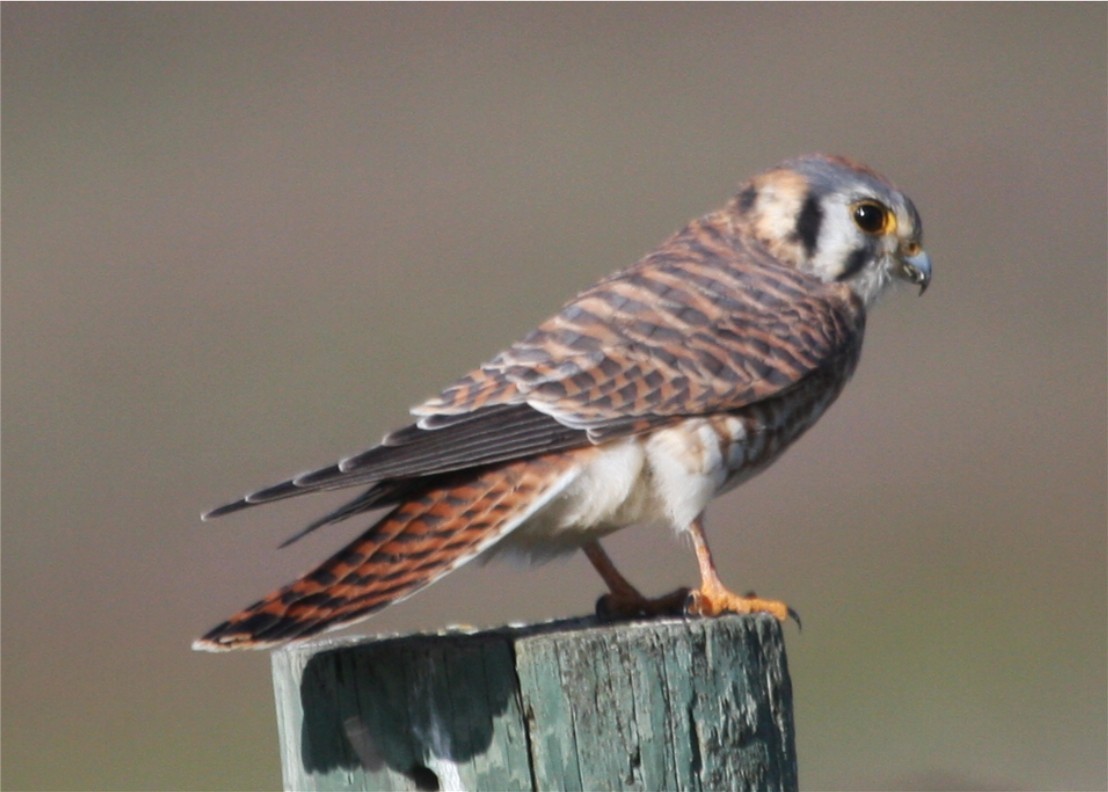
915,269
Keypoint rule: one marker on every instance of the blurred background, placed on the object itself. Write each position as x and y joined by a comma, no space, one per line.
240,240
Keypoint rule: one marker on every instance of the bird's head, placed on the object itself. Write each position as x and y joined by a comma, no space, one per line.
836,220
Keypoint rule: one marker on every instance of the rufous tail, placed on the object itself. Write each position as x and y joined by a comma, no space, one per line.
452,521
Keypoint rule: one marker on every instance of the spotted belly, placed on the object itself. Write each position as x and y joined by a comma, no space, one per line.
753,438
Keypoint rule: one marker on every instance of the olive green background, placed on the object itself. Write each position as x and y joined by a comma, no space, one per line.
239,240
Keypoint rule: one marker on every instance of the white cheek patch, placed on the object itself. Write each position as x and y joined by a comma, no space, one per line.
839,238
847,254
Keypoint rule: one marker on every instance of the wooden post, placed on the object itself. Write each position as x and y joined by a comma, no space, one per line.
573,705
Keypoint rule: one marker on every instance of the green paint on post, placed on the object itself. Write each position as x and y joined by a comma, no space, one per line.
698,704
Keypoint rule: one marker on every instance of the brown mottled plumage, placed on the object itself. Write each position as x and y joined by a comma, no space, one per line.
647,395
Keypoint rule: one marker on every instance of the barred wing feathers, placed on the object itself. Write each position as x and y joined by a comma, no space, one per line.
704,325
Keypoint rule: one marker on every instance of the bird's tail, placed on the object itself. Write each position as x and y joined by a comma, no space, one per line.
422,539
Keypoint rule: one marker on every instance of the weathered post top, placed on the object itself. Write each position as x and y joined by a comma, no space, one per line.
699,704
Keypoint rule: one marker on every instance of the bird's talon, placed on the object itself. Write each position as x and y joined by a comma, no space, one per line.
795,617
715,602
605,611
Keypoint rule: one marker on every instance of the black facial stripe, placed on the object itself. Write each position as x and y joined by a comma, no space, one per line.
854,262
746,198
808,223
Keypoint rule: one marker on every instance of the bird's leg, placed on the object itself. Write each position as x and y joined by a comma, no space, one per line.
623,599
713,598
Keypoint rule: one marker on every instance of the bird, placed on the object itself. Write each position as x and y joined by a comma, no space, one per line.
642,399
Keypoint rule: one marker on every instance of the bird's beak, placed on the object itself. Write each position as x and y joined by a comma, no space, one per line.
915,269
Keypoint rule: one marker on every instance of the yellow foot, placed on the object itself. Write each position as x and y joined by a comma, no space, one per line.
630,604
711,601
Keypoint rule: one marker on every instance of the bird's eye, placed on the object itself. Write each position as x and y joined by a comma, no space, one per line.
873,218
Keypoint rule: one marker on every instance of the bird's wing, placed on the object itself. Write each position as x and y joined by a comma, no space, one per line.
484,436
688,331
696,328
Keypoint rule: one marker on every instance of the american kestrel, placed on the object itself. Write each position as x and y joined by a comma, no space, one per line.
646,396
